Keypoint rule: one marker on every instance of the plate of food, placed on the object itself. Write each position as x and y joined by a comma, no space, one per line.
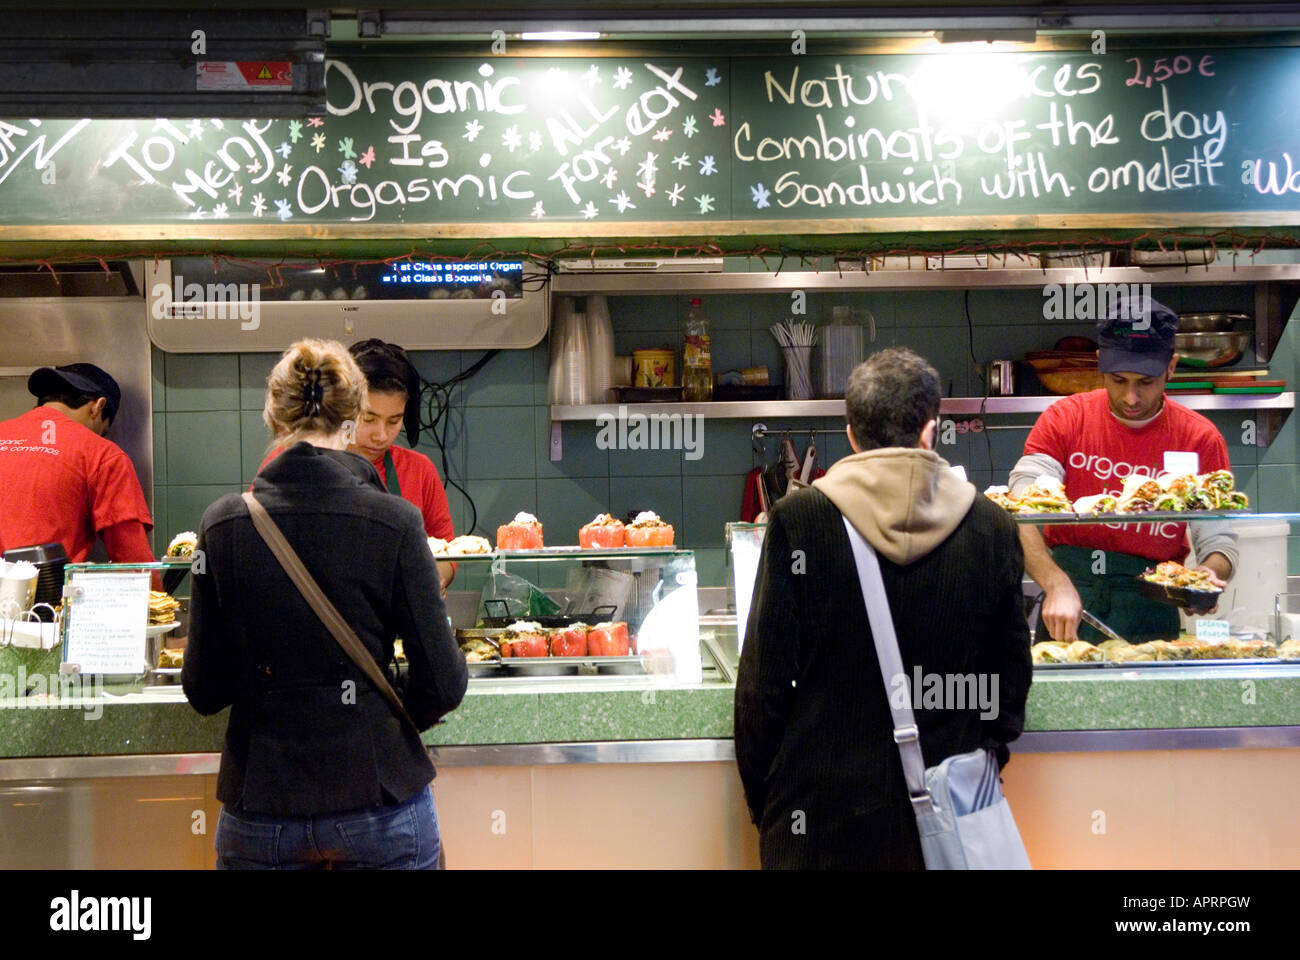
1175,584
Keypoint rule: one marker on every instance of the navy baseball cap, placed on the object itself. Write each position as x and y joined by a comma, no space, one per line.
77,378
1136,336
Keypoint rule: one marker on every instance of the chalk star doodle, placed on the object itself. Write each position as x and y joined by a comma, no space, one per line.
717,117
608,179
534,140
254,167
315,122
318,141
622,77
369,156
675,194
196,213
348,172
345,148
622,145
538,210
647,188
706,203
284,213
688,126
708,167
219,212
647,168
196,129
623,202
283,175
236,193
682,160
711,77
589,211
284,150
760,195
295,131
662,134
472,129
592,76
511,138
259,205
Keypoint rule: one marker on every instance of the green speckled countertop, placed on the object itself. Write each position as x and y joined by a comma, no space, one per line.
159,720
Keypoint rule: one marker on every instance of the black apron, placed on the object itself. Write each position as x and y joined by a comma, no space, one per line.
1113,597
390,474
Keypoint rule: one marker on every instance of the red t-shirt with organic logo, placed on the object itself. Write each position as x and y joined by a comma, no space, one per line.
61,481
1098,452
420,484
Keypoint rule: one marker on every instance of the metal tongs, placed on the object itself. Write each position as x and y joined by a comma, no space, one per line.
1092,621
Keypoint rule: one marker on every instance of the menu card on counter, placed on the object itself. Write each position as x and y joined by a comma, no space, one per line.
106,622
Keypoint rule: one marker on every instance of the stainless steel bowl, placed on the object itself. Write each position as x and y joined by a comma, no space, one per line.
1214,322
1210,349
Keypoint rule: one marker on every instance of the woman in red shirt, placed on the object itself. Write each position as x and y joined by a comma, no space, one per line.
393,401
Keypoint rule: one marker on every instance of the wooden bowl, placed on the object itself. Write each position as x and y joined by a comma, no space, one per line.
1067,380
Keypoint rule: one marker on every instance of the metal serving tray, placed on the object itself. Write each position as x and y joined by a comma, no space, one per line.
559,667
1142,664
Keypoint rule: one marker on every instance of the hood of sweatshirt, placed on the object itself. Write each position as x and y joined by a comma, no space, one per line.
904,501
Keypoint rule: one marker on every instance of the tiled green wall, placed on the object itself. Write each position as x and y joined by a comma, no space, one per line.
209,437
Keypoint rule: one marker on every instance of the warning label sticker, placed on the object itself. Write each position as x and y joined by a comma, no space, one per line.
243,75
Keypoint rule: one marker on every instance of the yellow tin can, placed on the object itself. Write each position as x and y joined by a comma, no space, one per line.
653,368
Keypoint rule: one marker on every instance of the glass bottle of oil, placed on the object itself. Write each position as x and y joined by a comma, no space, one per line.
697,363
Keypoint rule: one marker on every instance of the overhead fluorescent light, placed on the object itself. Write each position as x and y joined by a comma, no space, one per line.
560,35
986,36
642,265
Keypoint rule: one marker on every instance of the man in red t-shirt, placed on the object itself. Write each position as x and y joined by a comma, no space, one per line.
62,480
1091,442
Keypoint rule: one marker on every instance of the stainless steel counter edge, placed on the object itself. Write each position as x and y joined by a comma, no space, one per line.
650,751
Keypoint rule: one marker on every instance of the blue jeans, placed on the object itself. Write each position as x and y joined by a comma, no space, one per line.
401,837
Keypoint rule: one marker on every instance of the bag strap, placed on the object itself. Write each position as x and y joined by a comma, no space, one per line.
324,609
906,734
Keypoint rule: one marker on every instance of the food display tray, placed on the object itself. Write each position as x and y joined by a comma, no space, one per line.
558,667
564,551
1143,664
1162,515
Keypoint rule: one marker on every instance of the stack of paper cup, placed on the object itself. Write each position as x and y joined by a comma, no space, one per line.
17,588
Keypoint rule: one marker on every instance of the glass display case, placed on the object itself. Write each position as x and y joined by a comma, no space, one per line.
1254,620
555,598
647,594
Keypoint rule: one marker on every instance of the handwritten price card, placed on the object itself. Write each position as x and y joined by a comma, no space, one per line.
106,623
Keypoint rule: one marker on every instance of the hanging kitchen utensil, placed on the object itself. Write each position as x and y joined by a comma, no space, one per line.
809,459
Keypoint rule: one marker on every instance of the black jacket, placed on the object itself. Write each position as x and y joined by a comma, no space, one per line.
817,758
308,733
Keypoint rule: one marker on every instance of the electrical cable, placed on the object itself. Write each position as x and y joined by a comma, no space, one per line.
437,399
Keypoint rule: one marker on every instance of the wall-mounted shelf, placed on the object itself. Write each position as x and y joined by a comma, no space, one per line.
953,406
1277,291
835,408
850,280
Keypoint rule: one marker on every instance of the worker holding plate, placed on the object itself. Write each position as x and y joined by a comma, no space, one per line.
1106,443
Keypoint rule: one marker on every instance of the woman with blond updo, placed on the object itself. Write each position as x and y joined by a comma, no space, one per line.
319,769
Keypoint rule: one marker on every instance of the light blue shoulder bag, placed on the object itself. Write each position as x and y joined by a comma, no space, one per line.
964,820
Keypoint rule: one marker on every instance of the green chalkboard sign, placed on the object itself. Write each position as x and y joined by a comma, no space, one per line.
988,134
558,147
405,140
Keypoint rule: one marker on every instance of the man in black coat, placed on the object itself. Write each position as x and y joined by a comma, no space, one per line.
814,742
